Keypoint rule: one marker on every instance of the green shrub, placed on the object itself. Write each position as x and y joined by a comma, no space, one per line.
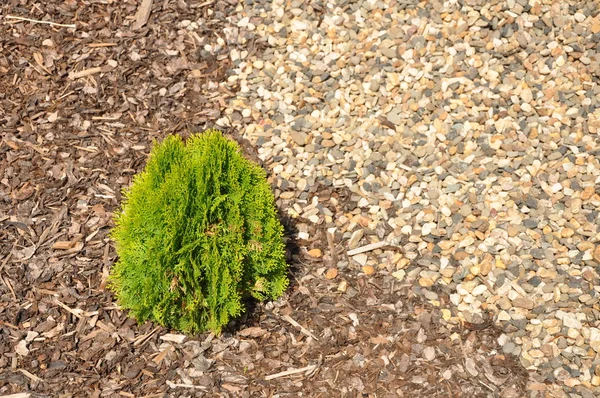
198,234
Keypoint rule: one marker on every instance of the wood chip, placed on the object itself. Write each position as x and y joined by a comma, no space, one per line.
175,338
254,331
92,71
307,369
143,14
63,245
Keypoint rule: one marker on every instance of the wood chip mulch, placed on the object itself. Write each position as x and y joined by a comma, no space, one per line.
79,109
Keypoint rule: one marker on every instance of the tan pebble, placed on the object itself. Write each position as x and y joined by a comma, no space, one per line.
596,381
400,274
486,265
547,230
500,264
523,302
368,270
331,273
458,256
537,386
402,263
572,382
547,273
446,244
585,245
589,275
587,193
567,232
534,235
475,270
596,254
512,231
343,286
535,353
425,282
316,253
287,195
446,314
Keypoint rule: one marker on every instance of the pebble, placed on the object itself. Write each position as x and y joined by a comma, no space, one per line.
360,259
331,273
467,136
368,270
315,253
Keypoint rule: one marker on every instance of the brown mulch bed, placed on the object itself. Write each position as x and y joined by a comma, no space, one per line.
79,109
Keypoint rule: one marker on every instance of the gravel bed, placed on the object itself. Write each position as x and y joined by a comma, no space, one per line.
463,135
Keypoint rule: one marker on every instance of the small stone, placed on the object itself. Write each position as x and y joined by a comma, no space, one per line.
479,290
368,270
508,348
287,195
595,339
596,254
587,193
361,258
531,224
374,86
538,254
486,265
299,137
570,321
425,282
567,232
342,287
512,231
399,275
523,302
331,273
315,253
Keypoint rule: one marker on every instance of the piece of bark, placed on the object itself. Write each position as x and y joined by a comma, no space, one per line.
142,14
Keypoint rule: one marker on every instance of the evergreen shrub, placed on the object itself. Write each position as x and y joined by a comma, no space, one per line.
197,235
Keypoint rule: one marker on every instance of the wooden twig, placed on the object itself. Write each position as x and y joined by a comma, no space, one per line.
76,312
181,385
9,286
111,64
302,328
96,45
367,248
85,72
330,243
307,369
143,338
30,375
73,26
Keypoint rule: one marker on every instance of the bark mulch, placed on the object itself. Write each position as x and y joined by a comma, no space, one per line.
79,109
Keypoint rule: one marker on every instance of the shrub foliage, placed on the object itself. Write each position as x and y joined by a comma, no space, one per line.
198,233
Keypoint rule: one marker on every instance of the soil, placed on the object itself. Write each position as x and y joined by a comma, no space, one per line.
70,145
